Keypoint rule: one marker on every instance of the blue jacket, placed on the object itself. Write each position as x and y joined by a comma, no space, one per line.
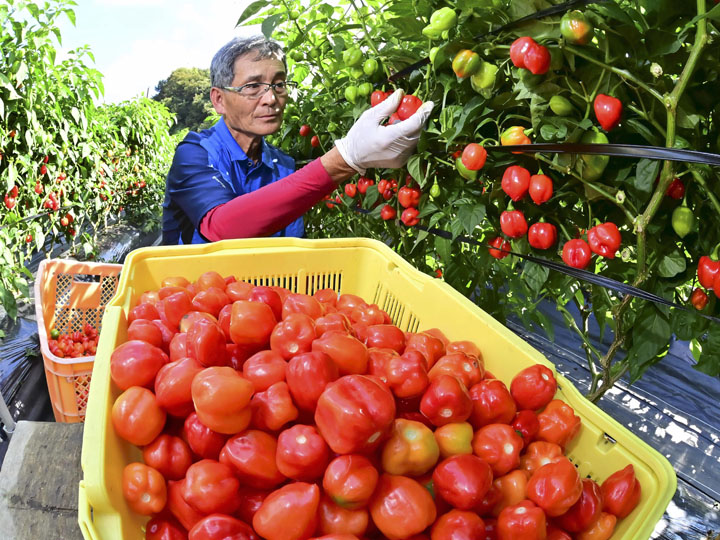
209,169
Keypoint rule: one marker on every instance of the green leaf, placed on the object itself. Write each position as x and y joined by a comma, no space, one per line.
672,264
443,247
651,334
535,276
416,170
251,10
470,216
268,25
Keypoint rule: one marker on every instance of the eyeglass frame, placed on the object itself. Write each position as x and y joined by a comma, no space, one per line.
238,89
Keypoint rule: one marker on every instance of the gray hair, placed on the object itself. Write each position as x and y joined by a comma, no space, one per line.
222,68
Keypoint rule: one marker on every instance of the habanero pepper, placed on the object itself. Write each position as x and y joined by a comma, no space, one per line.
576,28
604,239
410,217
708,269
411,449
466,173
465,63
542,235
409,197
608,111
683,221
499,248
513,223
576,253
514,135
408,106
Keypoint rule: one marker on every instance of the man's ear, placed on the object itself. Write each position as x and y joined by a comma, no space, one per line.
217,97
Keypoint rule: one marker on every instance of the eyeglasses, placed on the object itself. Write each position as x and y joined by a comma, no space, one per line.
257,89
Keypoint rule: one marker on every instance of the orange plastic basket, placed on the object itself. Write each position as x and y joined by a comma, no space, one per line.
68,295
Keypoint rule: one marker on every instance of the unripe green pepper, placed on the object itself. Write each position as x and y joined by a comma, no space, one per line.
431,32
465,63
484,77
683,221
370,66
364,89
351,93
593,165
466,173
435,190
441,21
352,57
443,18
561,106
356,72
432,54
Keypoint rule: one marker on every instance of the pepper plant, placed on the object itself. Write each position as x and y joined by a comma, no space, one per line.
652,57
67,164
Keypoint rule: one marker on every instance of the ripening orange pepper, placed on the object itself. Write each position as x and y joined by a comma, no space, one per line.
411,449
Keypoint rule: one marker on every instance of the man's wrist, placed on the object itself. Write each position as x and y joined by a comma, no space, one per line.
336,167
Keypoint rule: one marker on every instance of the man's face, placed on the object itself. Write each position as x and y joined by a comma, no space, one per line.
253,117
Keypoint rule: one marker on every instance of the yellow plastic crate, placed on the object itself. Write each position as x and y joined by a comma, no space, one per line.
414,301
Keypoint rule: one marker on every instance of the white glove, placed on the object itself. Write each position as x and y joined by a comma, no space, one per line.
368,144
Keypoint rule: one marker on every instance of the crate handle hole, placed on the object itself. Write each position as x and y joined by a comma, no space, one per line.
86,278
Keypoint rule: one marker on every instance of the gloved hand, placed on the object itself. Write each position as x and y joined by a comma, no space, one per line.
368,144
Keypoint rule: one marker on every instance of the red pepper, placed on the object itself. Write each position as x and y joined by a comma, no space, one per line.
499,243
388,212
513,223
364,183
409,217
408,106
608,111
378,96
576,253
516,181
409,197
708,268
351,190
540,188
355,413
604,239
542,235
446,401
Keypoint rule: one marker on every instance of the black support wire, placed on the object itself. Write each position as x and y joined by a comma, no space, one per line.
582,275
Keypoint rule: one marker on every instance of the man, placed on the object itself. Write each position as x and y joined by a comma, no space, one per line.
227,182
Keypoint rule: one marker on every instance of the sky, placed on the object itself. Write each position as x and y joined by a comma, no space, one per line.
137,43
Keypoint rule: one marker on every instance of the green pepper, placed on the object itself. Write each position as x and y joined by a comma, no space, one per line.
332,127
435,190
465,63
432,54
364,89
294,14
443,18
683,221
593,165
351,93
441,21
484,77
466,173
356,72
432,32
561,106
370,66
54,333
352,57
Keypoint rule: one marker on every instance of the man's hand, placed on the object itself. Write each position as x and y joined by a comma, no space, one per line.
368,144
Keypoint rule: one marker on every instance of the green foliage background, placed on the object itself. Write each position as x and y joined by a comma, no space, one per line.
100,161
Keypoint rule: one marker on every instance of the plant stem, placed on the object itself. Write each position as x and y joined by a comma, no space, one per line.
365,29
700,179
670,102
617,71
